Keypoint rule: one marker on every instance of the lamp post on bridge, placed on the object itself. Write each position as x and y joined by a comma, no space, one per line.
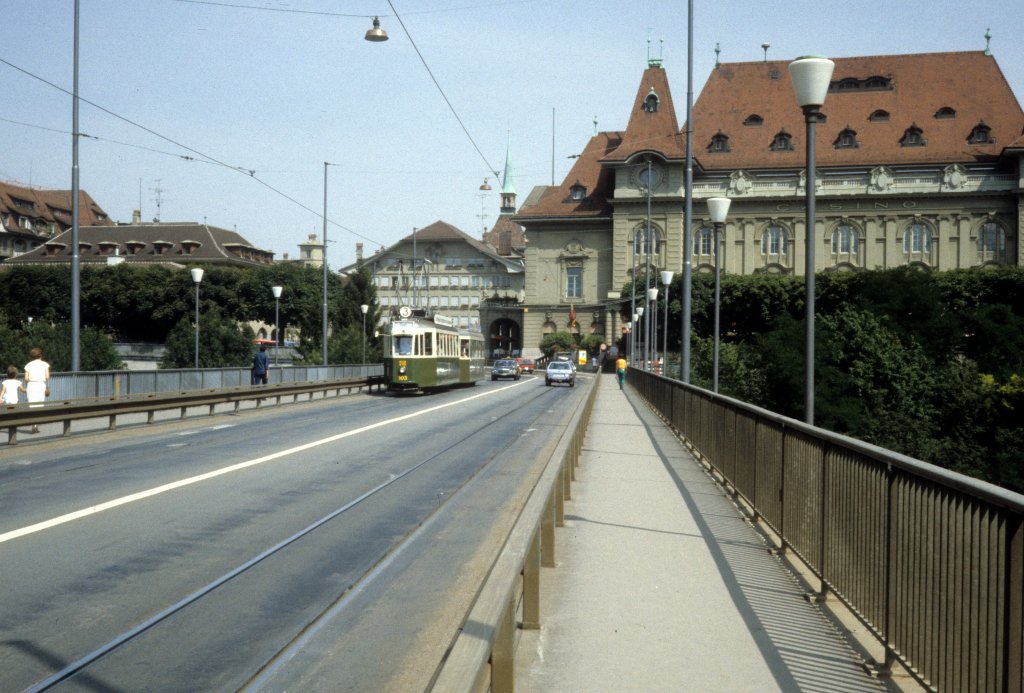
811,77
197,278
666,279
363,309
652,346
276,290
719,209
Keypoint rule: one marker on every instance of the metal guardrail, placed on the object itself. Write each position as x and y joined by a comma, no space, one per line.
65,412
481,658
931,561
67,386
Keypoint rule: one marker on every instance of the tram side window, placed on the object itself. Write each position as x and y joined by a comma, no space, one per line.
428,344
403,345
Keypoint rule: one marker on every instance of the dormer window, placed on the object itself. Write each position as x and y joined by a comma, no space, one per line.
188,247
753,120
577,192
876,83
847,140
981,134
782,142
879,116
134,247
945,113
160,247
108,247
848,84
913,137
651,102
719,143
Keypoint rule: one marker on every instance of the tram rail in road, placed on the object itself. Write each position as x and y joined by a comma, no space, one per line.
438,560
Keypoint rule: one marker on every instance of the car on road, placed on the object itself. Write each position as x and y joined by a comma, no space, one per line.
505,368
526,365
560,372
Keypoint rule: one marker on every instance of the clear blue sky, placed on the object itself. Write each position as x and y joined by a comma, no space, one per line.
282,89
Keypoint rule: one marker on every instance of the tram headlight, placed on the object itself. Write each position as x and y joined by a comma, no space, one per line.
401,370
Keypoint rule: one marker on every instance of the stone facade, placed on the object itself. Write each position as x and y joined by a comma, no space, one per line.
910,172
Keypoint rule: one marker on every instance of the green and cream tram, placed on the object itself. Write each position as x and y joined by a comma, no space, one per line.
424,353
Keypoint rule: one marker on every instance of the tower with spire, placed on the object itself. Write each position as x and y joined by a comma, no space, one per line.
506,236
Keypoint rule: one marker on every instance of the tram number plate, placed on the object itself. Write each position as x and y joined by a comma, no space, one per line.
403,377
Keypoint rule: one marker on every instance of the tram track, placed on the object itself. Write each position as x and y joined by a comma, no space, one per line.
80,668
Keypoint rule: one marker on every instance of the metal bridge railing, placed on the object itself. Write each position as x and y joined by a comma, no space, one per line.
82,385
931,561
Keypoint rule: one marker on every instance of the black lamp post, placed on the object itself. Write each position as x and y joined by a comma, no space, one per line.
811,77
719,208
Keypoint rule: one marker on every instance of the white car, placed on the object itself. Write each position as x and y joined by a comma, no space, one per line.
560,372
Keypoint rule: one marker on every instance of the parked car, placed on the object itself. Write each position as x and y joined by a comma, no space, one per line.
560,372
505,368
526,365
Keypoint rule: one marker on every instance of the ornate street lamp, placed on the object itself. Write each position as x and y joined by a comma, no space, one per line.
276,290
197,278
811,77
719,209
642,345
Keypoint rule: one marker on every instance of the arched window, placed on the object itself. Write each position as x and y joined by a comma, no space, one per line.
879,116
782,142
847,139
917,239
653,244
945,113
991,243
651,102
913,137
844,241
703,242
774,243
981,134
753,120
719,142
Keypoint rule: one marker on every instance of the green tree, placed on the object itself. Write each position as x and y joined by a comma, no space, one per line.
223,343
96,350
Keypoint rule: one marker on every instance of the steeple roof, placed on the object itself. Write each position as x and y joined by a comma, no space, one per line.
653,126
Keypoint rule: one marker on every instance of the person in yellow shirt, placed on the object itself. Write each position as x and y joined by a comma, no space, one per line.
620,371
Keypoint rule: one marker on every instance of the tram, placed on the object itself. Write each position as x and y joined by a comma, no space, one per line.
424,352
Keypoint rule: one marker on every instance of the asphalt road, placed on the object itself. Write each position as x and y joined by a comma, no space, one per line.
328,545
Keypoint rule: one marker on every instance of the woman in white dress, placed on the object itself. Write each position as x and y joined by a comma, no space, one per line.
37,377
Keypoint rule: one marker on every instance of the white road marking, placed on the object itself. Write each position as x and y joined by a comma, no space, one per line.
181,483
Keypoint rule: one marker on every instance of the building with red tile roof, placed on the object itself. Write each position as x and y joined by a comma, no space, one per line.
31,215
919,163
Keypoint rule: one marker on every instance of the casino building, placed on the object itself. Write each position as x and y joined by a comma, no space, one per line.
919,163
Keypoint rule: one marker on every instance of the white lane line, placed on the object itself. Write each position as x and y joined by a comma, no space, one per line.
181,483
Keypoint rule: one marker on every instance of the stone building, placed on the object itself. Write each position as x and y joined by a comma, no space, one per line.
918,164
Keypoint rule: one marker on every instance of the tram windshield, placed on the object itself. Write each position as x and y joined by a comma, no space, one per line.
403,345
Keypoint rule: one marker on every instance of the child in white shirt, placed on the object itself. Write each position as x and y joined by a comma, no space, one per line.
10,388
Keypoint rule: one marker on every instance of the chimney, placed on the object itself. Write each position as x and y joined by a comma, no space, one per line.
136,216
359,251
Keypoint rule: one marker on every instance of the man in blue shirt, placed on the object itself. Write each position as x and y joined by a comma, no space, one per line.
260,367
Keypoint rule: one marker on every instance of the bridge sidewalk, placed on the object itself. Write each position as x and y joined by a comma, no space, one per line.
662,585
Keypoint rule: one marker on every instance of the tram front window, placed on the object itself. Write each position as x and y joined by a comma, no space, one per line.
403,345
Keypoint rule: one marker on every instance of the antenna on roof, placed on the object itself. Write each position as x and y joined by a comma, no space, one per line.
765,46
988,37
158,199
595,125
718,51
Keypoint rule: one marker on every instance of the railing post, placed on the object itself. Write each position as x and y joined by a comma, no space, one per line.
1013,675
531,584
502,652
547,530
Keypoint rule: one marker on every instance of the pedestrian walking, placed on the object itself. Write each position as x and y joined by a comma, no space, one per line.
11,387
620,371
37,380
260,366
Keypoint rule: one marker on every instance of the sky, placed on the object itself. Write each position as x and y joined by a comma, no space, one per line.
225,111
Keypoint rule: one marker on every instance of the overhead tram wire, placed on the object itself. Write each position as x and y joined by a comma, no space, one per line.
437,84
205,158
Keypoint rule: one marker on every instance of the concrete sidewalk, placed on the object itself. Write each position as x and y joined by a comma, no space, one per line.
662,585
